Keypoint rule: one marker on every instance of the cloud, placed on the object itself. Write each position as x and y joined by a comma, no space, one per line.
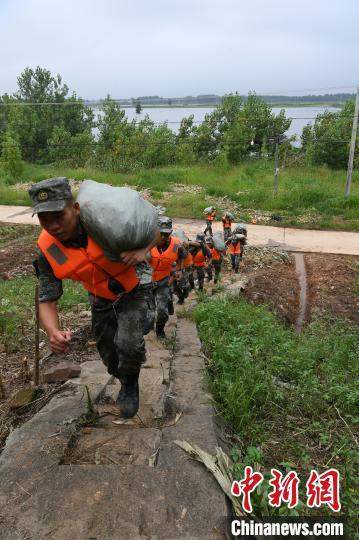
180,47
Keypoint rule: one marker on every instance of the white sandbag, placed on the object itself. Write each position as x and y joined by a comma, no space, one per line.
117,218
230,216
218,241
181,235
239,238
208,210
241,228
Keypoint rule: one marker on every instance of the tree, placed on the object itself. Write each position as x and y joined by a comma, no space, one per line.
327,141
138,107
11,157
239,128
40,104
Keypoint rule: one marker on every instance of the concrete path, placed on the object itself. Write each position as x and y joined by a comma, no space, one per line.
120,478
338,242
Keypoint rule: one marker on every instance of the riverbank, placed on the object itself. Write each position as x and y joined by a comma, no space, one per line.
308,197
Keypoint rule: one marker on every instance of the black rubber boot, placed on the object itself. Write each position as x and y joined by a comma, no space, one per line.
128,397
160,331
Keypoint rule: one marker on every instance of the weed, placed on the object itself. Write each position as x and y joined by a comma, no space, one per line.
288,398
310,197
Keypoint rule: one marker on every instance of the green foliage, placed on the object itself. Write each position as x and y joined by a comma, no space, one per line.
235,128
124,145
265,379
32,115
17,307
327,141
70,150
11,157
309,196
138,107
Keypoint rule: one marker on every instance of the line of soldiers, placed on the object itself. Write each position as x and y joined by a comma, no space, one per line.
129,297
177,262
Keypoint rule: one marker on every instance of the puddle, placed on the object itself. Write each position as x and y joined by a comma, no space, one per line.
302,278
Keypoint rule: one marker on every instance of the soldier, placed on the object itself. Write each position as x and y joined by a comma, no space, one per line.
201,255
120,293
235,250
216,261
227,225
209,221
168,253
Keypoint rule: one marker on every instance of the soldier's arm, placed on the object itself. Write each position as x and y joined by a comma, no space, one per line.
136,256
50,290
49,319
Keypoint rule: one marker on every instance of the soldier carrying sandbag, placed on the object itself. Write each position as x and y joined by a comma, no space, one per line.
166,259
119,283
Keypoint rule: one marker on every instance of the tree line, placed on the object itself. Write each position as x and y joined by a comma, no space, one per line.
42,122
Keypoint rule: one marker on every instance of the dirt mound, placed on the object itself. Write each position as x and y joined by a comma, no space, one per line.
334,285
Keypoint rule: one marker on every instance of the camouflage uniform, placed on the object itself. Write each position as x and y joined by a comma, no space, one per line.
215,266
181,286
208,228
164,302
118,327
200,270
226,233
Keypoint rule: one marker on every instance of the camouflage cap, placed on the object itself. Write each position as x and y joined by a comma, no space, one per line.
50,195
165,224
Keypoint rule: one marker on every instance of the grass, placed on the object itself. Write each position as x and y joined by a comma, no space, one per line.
10,232
310,197
17,314
289,399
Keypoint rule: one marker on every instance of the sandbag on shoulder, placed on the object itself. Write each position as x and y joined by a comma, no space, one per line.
181,235
241,228
218,241
117,218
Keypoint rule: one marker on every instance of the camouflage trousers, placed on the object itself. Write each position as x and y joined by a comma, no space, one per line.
208,228
119,328
190,276
235,260
200,272
164,303
181,286
214,266
226,233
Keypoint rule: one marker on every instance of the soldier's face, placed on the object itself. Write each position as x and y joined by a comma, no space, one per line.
164,240
62,225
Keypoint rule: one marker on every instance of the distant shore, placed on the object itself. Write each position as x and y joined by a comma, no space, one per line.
213,105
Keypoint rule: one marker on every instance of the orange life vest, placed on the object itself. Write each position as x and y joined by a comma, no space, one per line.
199,259
227,223
188,261
88,265
235,249
162,263
216,256
211,216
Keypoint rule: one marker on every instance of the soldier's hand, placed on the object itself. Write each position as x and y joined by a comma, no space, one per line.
59,341
134,256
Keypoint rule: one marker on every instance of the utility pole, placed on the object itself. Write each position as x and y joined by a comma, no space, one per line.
37,332
352,146
276,168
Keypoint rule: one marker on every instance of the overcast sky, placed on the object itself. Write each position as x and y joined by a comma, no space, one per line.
182,47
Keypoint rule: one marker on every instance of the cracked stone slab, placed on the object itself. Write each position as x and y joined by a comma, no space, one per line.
174,498
120,445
